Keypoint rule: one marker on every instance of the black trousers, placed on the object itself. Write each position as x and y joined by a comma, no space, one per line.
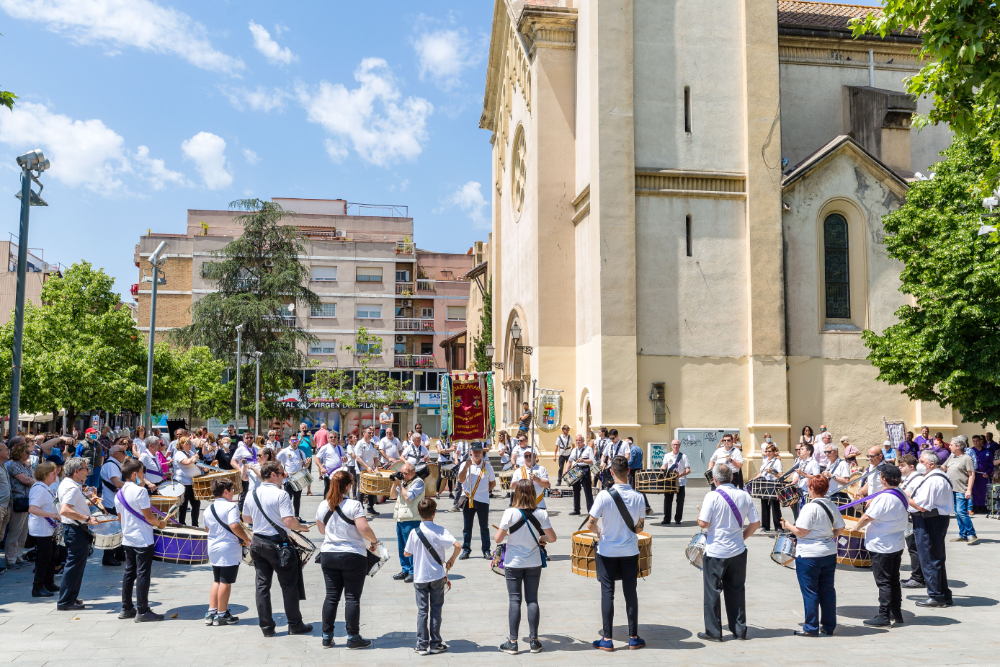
482,511
296,497
45,549
77,541
725,577
265,562
138,568
916,574
885,568
668,501
609,570
929,534
585,484
344,573
243,493
562,466
195,504
770,510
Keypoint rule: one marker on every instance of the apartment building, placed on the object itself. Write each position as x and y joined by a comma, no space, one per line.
367,271
38,271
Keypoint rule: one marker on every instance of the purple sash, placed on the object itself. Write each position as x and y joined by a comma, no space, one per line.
894,491
121,498
732,506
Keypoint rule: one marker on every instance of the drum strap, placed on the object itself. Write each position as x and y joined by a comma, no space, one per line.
534,522
221,522
626,517
473,494
121,498
829,514
732,506
281,529
427,545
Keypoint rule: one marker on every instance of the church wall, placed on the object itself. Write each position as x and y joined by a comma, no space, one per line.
583,93
679,44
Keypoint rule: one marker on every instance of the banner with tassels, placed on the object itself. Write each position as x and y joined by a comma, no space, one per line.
446,425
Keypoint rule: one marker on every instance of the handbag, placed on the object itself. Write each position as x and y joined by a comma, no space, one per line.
20,505
372,558
286,552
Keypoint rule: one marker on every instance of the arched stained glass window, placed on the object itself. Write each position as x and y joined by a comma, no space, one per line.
835,255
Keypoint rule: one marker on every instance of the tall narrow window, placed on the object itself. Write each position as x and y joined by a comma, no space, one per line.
687,234
687,108
837,274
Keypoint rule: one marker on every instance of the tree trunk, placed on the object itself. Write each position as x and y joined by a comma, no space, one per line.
71,417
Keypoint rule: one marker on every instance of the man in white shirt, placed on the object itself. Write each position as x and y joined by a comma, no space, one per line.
153,473
727,454
270,512
76,517
517,454
414,452
389,447
825,439
908,467
724,566
560,453
430,578
614,447
408,490
873,480
675,462
622,512
837,473
185,470
934,501
294,460
138,521
477,479
807,468
582,456
111,481
419,429
246,453
365,451
330,458
884,523
385,421
534,473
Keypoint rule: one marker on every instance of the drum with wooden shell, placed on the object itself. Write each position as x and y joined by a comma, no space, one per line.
504,478
163,503
584,556
376,483
656,481
202,484
851,546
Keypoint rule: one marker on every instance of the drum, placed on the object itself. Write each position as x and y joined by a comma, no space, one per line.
163,503
299,480
762,488
583,560
182,545
909,528
247,558
656,481
202,485
574,475
496,564
709,477
431,481
993,501
108,533
376,483
383,557
595,470
789,495
448,470
851,546
304,546
171,489
504,479
783,551
695,550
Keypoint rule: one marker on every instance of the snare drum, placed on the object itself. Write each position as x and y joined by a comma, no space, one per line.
171,489
496,564
709,477
299,480
182,545
448,470
783,551
789,495
762,488
202,485
695,550
107,535
574,475
505,478
303,546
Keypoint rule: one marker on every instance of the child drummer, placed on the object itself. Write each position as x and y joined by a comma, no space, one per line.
427,544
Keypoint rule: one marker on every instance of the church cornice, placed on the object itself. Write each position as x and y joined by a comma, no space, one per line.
548,28
807,50
689,183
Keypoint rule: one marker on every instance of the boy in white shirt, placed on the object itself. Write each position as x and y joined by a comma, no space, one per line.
430,575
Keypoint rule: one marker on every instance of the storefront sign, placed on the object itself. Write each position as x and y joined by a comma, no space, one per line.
430,399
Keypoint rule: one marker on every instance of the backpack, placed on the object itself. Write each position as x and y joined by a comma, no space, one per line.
90,452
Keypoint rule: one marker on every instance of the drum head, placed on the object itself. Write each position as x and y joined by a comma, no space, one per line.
109,528
171,489
383,558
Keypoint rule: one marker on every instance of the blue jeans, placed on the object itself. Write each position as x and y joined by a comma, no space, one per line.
403,529
430,600
815,577
962,507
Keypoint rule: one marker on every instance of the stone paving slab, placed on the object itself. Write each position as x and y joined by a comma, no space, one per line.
33,632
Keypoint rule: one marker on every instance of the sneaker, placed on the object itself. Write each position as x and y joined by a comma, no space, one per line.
409,578
399,575
374,511
509,647
464,555
649,510
327,640
535,646
41,593
958,539
127,613
226,619
636,643
210,618
877,622
440,648
973,539
358,642
421,650
148,617
573,514
604,644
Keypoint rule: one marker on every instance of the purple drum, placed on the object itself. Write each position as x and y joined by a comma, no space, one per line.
497,563
851,548
180,544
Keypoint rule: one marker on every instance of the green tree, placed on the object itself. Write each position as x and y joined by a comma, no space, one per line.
946,345
486,337
257,277
198,386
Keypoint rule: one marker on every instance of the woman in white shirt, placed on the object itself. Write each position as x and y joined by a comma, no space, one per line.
253,469
526,529
42,519
503,448
139,441
343,557
817,528
185,470
226,539
770,470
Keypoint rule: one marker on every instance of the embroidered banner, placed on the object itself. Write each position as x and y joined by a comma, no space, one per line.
468,409
492,426
446,428
548,410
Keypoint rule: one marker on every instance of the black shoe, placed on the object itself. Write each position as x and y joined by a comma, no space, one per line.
110,563
709,638
464,555
148,617
898,620
912,583
327,640
828,633
126,614
359,642
73,606
487,555
51,589
399,576
509,647
409,578
225,619
664,523
931,602
878,622
268,632
803,633
41,593
535,646
374,511
302,629
573,514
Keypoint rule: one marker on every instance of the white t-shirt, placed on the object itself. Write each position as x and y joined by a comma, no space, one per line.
44,499
425,568
586,453
242,455
224,548
874,481
539,472
332,457
390,448
185,473
292,458
338,535
616,539
522,544
483,490
414,454
682,465
725,533
839,469
365,451
108,471
810,468
275,502
771,469
934,492
819,540
884,535
909,482
620,449
153,472
734,455
136,532
564,443
140,445
71,493
385,417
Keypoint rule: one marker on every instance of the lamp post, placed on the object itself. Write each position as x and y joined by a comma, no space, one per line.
490,351
239,360
256,416
32,161
155,260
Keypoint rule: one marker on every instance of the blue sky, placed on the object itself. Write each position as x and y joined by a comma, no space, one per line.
147,109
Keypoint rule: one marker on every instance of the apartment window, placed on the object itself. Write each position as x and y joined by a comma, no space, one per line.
324,310
369,312
323,347
456,313
427,348
426,313
205,268
687,234
687,109
837,270
400,348
370,348
324,273
370,275
402,276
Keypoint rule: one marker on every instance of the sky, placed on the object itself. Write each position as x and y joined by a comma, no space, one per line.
147,109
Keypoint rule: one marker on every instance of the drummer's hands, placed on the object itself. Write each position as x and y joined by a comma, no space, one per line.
92,520
448,564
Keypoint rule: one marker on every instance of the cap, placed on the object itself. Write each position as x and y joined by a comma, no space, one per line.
476,446
89,431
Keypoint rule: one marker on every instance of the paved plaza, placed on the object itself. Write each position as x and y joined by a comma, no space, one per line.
33,632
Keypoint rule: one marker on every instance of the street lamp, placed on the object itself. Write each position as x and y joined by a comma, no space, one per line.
490,351
32,161
156,259
515,332
256,417
239,343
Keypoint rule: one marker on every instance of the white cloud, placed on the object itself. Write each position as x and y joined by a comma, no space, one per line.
251,156
156,172
139,23
280,29
469,198
443,55
394,132
208,152
265,44
261,99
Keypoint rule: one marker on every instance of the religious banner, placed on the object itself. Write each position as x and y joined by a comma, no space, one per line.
895,431
468,408
548,410
446,425
492,425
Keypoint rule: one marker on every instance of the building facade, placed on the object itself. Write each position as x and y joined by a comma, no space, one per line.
686,216
38,271
367,271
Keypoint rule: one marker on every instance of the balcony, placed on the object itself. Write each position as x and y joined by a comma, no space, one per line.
413,361
404,248
413,324
404,289
424,285
134,289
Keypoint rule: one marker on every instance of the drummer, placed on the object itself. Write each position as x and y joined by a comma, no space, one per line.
225,537
728,455
445,450
884,523
185,470
76,517
908,468
535,473
153,473
111,481
330,458
389,447
676,462
414,451
581,457
246,451
808,468
137,520
365,451
770,470
838,473
293,460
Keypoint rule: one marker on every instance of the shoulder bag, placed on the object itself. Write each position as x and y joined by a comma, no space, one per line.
372,558
532,521
427,545
626,517
286,552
